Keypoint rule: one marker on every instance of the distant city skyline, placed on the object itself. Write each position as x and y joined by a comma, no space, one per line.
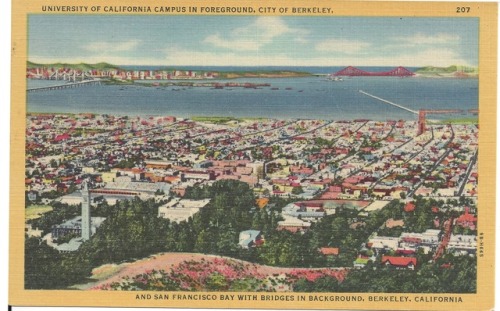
253,40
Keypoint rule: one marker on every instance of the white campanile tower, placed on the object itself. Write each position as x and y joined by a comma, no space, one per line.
85,212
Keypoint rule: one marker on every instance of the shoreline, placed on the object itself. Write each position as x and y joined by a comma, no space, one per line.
131,73
227,119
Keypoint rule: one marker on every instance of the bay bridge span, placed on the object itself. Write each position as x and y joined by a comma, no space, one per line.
422,113
65,85
70,78
388,102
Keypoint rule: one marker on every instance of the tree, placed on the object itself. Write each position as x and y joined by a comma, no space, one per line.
216,282
46,268
53,163
185,242
320,285
304,286
227,242
297,190
204,242
40,265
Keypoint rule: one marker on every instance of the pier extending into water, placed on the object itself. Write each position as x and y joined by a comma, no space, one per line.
65,86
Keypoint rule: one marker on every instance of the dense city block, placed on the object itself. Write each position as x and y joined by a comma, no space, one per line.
339,206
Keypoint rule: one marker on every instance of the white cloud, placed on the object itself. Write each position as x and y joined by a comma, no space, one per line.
428,57
104,46
182,57
263,31
235,44
342,46
178,56
421,38
434,57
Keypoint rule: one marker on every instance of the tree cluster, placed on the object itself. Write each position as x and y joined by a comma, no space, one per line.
448,275
59,214
133,230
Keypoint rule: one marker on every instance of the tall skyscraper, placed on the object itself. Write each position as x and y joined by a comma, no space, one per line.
86,212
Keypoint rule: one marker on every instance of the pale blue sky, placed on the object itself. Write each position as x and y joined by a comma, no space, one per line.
253,40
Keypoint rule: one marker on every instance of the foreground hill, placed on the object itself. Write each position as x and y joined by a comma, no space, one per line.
201,272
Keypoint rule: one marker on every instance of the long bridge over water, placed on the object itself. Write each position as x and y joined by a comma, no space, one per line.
66,85
421,113
356,72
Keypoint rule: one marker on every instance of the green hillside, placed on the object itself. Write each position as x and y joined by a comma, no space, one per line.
80,66
447,70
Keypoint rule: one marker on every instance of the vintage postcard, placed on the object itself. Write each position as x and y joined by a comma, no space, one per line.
242,154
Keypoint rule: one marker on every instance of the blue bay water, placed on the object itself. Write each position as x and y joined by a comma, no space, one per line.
307,98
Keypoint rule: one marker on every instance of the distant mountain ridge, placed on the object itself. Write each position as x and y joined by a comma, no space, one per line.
430,71
447,70
222,75
80,66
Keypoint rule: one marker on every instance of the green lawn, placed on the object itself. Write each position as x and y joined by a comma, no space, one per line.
36,211
465,120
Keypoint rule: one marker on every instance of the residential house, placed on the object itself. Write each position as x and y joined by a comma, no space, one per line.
466,220
250,238
293,224
383,243
407,263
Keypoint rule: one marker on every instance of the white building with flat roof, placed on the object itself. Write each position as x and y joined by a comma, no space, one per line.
179,210
384,242
460,244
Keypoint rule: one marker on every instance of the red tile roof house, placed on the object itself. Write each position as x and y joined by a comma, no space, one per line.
467,220
329,251
391,223
408,263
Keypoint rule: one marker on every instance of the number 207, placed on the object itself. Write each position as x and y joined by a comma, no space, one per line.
463,9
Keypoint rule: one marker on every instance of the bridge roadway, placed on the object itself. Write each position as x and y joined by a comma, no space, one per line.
388,102
65,86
